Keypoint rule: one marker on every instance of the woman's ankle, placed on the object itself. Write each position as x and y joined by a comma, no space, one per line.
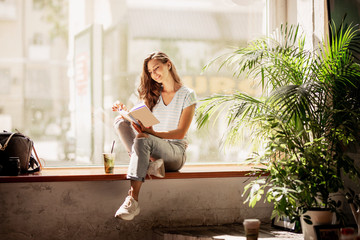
133,195
136,197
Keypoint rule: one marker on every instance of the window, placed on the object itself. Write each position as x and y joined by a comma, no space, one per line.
69,131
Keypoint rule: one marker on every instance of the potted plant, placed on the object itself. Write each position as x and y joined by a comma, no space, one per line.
307,115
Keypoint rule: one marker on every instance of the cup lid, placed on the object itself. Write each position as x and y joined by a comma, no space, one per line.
252,220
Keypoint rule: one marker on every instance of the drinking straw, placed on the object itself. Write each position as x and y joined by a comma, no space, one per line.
112,148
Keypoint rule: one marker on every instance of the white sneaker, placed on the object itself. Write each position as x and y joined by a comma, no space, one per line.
156,168
129,209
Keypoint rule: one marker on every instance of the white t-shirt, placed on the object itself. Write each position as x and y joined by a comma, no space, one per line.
169,115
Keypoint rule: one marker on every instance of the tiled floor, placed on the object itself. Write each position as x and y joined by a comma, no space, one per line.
226,232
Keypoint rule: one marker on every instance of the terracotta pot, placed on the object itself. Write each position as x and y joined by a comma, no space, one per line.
318,217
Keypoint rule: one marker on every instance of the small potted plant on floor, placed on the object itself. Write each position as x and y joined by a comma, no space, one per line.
309,111
354,202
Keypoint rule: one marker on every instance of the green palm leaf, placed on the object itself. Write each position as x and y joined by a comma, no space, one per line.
308,111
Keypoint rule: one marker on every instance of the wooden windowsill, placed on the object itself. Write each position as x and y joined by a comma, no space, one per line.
64,174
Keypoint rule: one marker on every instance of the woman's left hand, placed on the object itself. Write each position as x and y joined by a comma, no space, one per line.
141,128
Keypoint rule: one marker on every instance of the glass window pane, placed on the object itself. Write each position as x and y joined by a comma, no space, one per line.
62,98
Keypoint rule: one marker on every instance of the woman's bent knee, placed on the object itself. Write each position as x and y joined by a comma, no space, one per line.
120,122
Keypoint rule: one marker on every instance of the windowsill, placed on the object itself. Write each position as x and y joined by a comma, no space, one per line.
54,174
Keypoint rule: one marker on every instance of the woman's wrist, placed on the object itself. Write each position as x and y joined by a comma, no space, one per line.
149,130
152,132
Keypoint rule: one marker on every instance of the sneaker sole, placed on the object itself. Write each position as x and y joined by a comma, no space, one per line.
161,168
129,217
162,172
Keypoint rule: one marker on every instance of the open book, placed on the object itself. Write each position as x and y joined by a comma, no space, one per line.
140,113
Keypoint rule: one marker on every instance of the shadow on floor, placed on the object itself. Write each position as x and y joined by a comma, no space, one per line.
224,232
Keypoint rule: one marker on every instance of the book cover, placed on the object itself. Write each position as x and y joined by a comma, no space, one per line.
140,113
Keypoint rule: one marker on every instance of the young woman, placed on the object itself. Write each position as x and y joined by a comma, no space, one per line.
165,143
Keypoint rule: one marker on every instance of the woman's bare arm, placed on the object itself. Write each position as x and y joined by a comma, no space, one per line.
179,133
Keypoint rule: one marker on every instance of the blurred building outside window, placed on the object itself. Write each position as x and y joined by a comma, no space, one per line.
73,59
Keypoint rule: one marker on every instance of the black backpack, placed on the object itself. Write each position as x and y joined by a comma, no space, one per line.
17,146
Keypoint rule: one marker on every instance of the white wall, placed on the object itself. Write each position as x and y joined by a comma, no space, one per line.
85,210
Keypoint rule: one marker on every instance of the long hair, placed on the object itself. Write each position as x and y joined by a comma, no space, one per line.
150,90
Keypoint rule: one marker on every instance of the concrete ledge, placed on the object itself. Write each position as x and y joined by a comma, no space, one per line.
85,210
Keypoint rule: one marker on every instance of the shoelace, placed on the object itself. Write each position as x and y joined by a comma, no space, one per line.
128,203
128,200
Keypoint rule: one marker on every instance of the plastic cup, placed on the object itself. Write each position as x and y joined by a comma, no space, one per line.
252,227
347,233
109,160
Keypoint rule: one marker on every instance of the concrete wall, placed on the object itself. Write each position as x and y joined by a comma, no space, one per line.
85,210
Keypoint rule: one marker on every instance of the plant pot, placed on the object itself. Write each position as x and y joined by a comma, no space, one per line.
356,213
318,217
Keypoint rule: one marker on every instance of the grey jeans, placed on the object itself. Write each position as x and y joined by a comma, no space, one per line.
141,149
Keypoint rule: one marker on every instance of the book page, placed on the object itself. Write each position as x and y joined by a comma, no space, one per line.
127,116
137,106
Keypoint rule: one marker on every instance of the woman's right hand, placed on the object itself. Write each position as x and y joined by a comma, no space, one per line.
118,105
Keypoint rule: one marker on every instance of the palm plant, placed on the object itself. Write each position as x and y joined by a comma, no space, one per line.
307,115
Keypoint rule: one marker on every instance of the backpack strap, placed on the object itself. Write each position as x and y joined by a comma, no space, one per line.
2,148
37,158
